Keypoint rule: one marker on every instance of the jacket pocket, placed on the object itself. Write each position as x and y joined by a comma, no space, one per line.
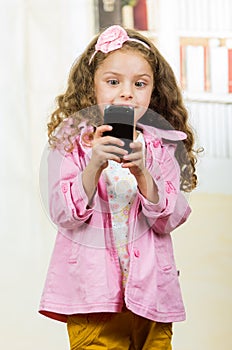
74,247
164,252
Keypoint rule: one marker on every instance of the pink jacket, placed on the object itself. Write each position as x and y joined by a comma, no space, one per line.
84,274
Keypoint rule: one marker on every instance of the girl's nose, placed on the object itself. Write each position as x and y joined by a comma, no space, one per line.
126,92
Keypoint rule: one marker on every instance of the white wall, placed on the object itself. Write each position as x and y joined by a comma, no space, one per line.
39,41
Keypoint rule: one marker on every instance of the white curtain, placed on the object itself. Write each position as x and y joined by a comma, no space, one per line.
39,41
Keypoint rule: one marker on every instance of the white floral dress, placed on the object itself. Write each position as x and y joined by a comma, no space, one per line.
121,189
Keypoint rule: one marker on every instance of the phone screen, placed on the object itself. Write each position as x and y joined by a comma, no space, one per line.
121,118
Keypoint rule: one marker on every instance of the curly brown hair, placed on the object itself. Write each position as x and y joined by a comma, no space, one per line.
166,101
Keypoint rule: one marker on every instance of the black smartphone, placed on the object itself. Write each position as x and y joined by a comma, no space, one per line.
121,118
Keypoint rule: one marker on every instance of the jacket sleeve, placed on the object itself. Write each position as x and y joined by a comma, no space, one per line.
172,209
68,202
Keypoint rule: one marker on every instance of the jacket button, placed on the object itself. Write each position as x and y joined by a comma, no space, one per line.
64,188
136,253
156,143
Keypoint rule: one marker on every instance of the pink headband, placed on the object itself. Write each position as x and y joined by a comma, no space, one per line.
112,39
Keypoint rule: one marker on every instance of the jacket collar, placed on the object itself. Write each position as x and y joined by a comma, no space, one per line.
152,133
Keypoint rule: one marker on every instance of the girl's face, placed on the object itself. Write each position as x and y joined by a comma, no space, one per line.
124,78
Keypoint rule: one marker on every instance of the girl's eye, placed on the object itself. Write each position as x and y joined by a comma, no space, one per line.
113,81
140,84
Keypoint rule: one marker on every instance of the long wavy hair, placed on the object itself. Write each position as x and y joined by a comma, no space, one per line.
166,101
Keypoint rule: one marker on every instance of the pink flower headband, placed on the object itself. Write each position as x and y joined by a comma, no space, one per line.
112,39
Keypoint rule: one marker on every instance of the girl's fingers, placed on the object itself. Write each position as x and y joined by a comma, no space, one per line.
109,156
110,140
104,152
134,156
111,149
101,129
136,146
134,160
100,138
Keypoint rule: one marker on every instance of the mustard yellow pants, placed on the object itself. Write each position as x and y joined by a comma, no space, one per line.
119,331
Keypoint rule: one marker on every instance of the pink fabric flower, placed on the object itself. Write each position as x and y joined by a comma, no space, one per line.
86,132
111,39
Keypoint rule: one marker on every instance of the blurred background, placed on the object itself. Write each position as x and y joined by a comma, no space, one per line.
40,39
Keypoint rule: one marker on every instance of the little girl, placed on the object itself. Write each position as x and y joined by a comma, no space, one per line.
112,276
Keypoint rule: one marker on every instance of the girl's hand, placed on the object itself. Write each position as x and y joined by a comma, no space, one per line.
105,148
135,161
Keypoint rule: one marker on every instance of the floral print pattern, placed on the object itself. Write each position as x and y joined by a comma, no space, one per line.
121,190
